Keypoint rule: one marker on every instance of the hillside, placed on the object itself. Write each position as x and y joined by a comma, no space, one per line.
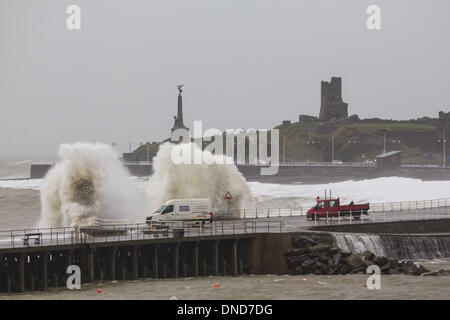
361,140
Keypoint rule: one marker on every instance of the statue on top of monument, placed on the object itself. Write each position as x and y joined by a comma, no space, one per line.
179,88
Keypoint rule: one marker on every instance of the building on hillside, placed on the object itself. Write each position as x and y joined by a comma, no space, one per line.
389,159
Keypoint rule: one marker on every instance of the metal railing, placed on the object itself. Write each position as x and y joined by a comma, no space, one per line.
121,230
384,207
129,232
137,162
328,164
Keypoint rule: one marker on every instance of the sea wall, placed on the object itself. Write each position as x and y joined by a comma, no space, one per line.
313,174
310,174
394,227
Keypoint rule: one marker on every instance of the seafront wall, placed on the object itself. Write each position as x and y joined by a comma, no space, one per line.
305,174
396,227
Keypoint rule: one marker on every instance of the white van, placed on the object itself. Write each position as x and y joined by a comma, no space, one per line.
184,209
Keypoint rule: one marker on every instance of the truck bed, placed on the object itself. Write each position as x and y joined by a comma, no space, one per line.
355,207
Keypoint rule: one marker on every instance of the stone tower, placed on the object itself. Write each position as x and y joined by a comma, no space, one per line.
332,107
178,123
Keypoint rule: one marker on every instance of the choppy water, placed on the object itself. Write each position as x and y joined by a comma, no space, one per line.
272,287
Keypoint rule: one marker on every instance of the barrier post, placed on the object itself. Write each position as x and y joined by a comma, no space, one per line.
268,215
351,217
244,213
279,212
339,217
327,218
362,217
256,213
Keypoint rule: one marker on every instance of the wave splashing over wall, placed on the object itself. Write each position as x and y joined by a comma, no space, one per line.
211,179
88,183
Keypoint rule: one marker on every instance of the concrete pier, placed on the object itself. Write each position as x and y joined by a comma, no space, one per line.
38,268
29,268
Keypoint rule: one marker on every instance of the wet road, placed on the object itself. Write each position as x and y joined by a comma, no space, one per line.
112,233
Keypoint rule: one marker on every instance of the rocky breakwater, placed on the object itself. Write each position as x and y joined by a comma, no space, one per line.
318,254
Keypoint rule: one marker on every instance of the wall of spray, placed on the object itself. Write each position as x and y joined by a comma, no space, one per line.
89,182
210,179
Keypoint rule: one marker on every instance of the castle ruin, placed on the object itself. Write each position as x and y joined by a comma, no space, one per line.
332,107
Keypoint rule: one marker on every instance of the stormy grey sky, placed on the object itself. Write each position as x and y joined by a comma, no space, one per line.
244,63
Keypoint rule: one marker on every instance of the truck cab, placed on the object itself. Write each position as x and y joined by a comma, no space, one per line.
324,206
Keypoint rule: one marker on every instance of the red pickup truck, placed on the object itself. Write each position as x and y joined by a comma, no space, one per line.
333,208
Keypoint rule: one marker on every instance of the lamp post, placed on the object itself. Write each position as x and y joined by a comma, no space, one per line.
443,140
332,148
395,140
310,142
351,141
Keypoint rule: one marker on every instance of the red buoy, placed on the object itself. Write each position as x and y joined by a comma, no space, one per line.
99,291
216,285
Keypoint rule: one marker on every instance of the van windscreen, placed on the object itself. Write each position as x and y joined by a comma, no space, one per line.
160,209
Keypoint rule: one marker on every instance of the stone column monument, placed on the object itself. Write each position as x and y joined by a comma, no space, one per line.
178,123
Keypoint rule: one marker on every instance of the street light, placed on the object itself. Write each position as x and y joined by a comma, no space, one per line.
351,141
332,148
444,140
310,142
